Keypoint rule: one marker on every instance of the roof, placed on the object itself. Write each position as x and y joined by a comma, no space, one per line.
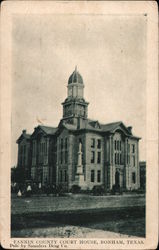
87,124
75,77
48,130
23,136
27,136
110,126
94,125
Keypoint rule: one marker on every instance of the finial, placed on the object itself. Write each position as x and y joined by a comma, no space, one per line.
76,68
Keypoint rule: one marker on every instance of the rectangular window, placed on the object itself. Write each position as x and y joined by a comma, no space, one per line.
99,176
99,157
60,175
99,143
133,177
115,144
45,146
134,160
66,155
61,157
92,143
61,144
92,175
65,174
66,143
117,158
120,160
92,156
133,148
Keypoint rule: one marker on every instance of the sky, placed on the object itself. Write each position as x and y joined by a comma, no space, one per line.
110,54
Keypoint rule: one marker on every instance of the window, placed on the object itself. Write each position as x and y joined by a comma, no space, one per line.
65,143
61,175
92,157
134,177
61,144
99,176
99,157
66,155
92,143
99,143
92,175
65,174
120,145
45,148
115,144
133,148
120,159
115,158
61,157
134,160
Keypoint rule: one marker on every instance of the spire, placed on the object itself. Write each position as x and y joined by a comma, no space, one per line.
76,68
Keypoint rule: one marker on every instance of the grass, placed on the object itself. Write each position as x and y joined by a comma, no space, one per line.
82,215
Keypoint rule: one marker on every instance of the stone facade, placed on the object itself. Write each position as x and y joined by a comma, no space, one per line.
110,152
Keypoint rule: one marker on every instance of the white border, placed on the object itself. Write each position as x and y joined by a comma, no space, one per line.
8,8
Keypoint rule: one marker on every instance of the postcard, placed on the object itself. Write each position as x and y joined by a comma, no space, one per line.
79,125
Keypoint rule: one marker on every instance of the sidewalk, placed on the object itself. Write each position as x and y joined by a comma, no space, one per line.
67,231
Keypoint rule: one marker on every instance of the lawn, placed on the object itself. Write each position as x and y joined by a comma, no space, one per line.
21,205
79,216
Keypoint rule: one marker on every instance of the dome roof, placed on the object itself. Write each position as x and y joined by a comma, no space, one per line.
75,77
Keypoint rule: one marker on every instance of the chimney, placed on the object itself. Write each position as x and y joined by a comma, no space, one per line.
24,131
130,129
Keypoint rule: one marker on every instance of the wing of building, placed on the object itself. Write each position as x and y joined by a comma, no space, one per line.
80,151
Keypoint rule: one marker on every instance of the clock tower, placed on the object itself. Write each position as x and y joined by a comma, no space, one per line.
75,106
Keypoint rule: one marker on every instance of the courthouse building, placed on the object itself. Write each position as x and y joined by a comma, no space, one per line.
80,151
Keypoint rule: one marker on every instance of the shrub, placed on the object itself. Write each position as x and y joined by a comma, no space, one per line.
75,189
98,190
116,189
